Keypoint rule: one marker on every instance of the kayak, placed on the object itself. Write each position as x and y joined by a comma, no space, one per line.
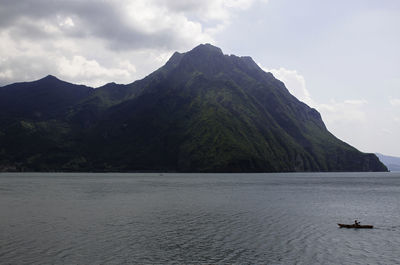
355,226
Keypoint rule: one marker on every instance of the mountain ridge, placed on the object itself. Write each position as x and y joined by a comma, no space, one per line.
203,111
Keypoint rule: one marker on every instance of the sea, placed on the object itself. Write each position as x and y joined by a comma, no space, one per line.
111,218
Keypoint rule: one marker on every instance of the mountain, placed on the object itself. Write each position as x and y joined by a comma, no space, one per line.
43,99
392,162
203,111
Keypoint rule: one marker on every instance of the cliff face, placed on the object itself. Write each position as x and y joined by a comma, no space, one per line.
203,111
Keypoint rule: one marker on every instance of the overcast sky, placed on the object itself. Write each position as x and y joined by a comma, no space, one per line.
341,57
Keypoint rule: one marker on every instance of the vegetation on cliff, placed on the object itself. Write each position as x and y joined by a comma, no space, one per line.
203,111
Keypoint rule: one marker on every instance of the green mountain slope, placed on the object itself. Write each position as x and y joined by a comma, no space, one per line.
202,112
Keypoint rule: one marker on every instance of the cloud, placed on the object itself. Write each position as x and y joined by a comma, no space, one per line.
81,68
395,102
206,10
356,102
345,112
386,131
355,121
334,114
38,37
294,82
122,25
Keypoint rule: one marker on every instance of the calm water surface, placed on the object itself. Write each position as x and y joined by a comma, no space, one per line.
48,218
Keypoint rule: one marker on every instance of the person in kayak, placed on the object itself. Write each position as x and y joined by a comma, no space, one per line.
356,222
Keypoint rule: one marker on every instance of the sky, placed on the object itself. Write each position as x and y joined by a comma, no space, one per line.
341,57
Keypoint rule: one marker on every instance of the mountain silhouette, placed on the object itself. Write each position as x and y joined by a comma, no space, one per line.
203,111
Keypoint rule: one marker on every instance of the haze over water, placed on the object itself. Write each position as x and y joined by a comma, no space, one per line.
56,218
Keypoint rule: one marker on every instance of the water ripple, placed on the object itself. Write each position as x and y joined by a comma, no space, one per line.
227,219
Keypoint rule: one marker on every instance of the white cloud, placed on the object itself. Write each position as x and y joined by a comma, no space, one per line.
294,82
66,22
385,131
6,74
207,10
334,114
345,112
78,67
356,102
395,102
352,120
85,41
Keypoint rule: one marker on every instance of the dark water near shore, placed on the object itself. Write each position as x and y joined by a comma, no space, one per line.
48,218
